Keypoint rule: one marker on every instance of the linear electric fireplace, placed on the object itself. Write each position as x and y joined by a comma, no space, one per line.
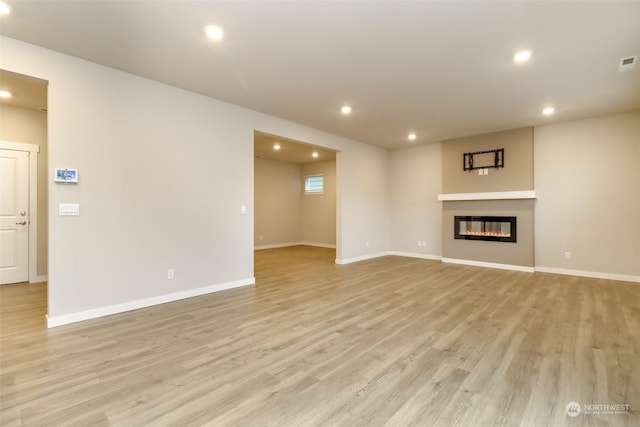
491,228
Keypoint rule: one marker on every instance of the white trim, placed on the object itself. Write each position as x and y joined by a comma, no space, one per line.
319,245
33,214
276,246
489,265
147,302
416,255
592,274
39,279
495,195
361,258
286,245
19,146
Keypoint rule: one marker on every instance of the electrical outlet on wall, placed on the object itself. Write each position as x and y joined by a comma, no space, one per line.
567,255
171,274
424,243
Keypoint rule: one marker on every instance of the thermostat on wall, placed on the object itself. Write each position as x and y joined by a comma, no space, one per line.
66,175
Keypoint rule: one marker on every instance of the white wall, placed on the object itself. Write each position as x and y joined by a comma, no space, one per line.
319,210
163,174
278,203
154,192
587,179
363,201
416,214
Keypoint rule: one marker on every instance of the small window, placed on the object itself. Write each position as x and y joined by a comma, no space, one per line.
313,184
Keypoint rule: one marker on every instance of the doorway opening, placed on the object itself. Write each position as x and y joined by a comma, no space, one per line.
294,194
24,146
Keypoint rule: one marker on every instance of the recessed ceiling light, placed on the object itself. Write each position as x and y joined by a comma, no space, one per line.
214,32
522,56
314,154
547,111
5,94
345,109
412,136
276,146
5,9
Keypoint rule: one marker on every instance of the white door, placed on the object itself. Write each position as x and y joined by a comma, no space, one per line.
14,216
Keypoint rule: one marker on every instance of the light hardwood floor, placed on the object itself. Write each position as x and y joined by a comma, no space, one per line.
392,341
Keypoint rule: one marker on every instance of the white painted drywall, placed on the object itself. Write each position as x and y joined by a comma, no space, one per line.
416,214
163,175
363,202
278,203
587,179
319,210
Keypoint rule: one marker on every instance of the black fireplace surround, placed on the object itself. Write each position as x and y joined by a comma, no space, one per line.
489,228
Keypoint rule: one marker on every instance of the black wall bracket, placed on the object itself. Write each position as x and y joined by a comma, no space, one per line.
484,159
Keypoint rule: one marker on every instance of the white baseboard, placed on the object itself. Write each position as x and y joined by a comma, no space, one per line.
53,321
416,255
489,265
318,245
361,258
40,279
286,245
592,274
276,246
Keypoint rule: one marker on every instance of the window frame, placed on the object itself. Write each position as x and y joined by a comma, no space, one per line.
308,192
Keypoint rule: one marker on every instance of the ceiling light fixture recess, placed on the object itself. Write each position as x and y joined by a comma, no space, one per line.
5,94
214,32
522,56
314,154
276,146
547,111
412,136
5,9
345,109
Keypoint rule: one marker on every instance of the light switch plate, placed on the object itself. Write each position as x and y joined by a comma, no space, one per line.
69,209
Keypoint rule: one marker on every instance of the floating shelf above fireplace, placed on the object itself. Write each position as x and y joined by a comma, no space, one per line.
494,195
489,228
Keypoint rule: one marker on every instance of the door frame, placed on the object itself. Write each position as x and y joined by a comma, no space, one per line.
33,202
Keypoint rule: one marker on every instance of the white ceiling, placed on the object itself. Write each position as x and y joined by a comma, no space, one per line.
442,69
290,151
26,92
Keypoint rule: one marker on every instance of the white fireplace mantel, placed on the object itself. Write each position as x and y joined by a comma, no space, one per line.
495,195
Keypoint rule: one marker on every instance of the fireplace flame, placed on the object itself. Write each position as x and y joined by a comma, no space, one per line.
484,233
